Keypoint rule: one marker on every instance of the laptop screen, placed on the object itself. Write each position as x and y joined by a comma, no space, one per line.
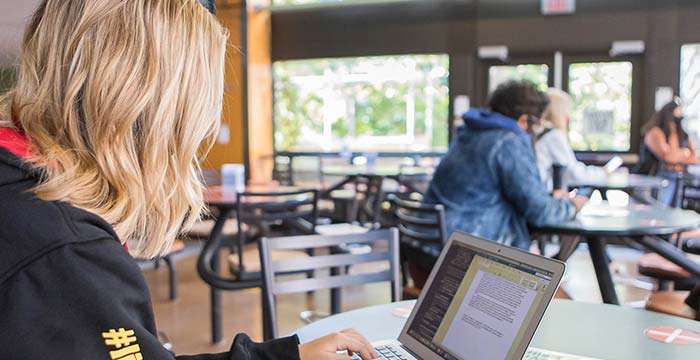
478,305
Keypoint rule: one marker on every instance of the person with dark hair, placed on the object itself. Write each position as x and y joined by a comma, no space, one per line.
489,182
666,148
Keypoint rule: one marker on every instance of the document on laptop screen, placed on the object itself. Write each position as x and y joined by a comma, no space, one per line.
483,316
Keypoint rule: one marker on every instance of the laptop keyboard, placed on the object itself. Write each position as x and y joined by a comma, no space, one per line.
390,352
385,352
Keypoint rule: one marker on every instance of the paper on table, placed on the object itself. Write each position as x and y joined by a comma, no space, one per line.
402,311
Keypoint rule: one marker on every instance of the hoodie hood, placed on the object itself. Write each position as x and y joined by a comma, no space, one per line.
13,150
481,119
14,141
14,170
30,226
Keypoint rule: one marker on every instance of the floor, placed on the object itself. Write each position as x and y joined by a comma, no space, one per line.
186,322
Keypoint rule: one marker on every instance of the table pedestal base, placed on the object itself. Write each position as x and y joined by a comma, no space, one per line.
596,247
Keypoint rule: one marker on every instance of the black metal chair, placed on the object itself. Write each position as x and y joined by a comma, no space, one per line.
283,170
367,201
293,212
414,184
689,188
168,259
661,269
422,233
336,204
278,212
276,281
559,177
692,246
676,302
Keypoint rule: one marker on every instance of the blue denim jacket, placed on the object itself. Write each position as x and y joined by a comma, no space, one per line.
490,185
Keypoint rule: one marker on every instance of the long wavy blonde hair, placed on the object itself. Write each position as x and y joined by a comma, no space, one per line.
119,99
556,114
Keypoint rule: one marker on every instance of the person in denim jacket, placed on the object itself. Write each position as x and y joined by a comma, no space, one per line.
489,182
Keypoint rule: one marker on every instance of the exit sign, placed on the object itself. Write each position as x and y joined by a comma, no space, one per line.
558,7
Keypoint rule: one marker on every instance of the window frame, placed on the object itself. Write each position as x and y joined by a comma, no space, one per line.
679,90
485,65
636,112
402,153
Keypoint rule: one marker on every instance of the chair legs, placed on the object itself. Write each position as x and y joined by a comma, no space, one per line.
215,315
171,276
541,244
268,325
215,306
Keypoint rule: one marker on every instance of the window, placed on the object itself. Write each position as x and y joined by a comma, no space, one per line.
301,2
384,103
602,105
290,3
537,73
8,77
690,87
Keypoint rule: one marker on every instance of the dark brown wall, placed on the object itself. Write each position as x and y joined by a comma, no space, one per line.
458,27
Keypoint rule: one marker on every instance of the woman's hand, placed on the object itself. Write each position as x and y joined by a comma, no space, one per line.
328,346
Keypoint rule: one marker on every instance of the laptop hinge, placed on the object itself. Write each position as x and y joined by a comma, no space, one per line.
409,351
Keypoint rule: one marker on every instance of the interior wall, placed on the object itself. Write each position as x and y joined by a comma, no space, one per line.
13,18
459,27
232,151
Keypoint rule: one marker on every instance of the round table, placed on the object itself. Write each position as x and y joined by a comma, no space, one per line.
375,174
594,330
389,171
644,224
220,196
624,182
636,186
632,220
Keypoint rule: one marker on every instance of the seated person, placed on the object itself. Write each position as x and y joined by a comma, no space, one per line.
552,145
489,182
666,148
99,144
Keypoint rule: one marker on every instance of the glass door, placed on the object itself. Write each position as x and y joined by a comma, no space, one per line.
538,69
603,91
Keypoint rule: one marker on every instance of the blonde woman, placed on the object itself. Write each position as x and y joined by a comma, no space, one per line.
99,142
553,147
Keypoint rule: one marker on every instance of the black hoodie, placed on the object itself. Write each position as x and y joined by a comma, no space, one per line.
69,289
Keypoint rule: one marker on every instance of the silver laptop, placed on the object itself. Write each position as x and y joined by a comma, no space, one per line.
482,301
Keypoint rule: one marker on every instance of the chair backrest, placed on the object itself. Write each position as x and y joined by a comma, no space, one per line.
276,283
415,179
294,209
283,170
559,172
368,200
420,223
325,160
689,187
